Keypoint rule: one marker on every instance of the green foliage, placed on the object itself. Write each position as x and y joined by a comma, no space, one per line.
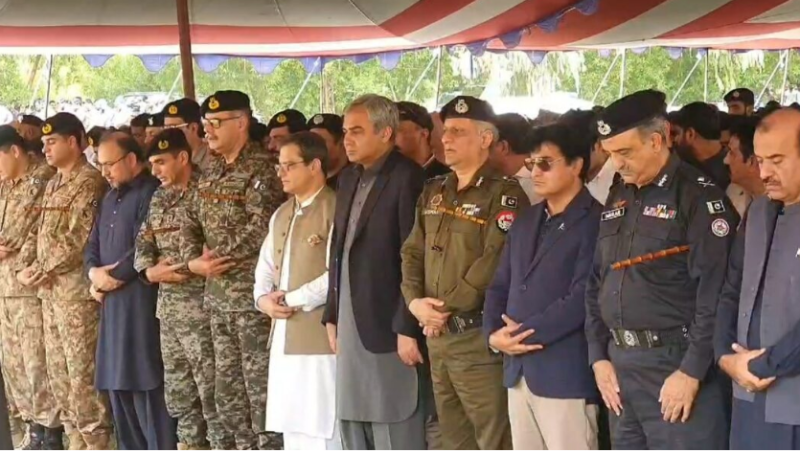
415,78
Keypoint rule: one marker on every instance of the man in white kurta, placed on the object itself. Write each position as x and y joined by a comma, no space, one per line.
301,395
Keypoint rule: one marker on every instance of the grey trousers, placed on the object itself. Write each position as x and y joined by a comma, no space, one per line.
406,435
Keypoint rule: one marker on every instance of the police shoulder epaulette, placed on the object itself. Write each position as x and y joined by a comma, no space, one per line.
436,179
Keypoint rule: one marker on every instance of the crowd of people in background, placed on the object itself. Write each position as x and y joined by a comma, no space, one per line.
391,278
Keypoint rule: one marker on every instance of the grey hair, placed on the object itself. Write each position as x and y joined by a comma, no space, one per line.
484,126
382,111
656,125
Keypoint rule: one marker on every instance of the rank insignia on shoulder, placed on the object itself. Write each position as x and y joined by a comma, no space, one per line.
663,180
720,228
480,181
504,220
705,182
612,214
715,207
509,202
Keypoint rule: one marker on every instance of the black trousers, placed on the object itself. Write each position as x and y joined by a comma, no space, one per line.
641,374
141,420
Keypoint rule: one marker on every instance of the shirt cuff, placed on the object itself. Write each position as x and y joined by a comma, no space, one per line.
255,303
760,366
294,300
694,365
597,352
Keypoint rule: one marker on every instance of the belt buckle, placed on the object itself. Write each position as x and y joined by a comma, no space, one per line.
460,324
630,338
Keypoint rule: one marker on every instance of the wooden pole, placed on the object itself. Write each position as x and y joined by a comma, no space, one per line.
185,36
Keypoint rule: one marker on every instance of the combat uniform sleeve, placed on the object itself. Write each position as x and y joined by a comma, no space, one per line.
728,304
469,291
125,270
262,199
146,254
413,256
710,237
27,254
82,215
497,293
192,236
568,314
404,323
597,333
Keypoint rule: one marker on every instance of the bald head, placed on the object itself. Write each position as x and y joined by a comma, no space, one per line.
777,149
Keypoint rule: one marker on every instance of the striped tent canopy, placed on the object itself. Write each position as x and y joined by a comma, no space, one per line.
306,28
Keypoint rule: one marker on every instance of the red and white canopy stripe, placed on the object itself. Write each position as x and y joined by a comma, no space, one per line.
345,27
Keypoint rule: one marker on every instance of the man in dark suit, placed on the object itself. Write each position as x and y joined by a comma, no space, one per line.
377,344
757,337
534,311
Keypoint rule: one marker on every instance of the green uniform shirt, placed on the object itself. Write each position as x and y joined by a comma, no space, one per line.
458,235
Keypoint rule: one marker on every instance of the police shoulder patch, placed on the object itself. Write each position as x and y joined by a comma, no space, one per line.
504,220
720,228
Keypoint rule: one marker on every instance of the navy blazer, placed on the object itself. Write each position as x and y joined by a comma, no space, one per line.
543,288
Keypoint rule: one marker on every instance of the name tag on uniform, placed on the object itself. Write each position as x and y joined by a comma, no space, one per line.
204,185
660,212
612,214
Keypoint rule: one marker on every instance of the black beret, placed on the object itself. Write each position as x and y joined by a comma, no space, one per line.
514,129
328,121
156,120
94,134
743,95
258,131
630,112
9,136
31,120
186,109
415,113
470,108
295,120
140,120
63,124
168,141
225,101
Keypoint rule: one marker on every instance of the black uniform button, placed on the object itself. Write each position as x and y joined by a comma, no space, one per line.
523,287
638,202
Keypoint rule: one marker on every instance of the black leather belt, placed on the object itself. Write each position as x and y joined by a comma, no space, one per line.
647,339
465,321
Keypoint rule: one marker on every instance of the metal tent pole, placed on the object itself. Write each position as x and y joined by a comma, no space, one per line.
769,81
705,78
605,78
49,85
438,79
685,81
622,74
305,82
185,40
786,74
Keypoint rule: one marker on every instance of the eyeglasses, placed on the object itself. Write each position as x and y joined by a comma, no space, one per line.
108,165
286,167
216,123
544,164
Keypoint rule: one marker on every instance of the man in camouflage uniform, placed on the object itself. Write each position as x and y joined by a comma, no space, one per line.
53,256
24,178
449,260
186,345
184,114
229,218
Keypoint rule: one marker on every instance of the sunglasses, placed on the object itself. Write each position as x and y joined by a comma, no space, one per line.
544,164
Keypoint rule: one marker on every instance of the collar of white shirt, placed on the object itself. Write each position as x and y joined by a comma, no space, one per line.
307,203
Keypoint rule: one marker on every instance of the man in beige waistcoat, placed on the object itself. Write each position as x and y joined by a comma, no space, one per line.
291,286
